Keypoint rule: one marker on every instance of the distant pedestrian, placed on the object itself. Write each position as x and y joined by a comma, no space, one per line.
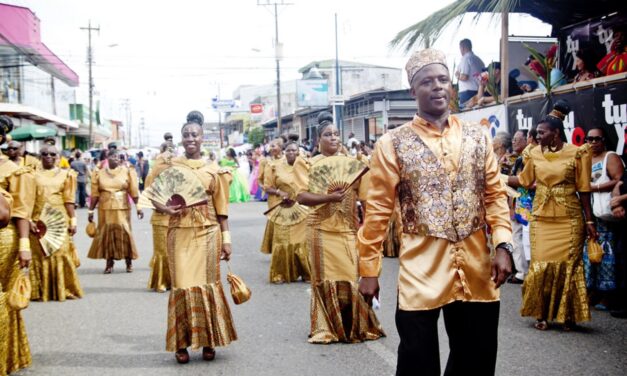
82,172
141,167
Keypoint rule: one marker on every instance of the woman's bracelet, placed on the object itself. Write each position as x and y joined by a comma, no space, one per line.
590,222
90,211
24,245
226,237
73,222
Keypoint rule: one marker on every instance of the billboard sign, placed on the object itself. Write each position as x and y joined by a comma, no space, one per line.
312,93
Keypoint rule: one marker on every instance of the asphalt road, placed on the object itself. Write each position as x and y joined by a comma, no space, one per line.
118,328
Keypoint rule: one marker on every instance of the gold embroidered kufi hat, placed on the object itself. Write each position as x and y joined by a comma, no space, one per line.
421,59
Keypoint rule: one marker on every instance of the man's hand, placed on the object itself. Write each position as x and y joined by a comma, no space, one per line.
501,266
369,288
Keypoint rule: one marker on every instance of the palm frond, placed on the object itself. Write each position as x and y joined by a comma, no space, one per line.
425,32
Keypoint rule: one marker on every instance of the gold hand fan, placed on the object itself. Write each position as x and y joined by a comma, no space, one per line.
52,227
287,213
336,173
174,186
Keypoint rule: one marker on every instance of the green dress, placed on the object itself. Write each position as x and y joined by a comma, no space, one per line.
238,191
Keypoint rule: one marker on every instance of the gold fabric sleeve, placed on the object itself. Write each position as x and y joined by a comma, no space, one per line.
301,176
583,168
269,178
497,211
7,197
221,193
133,187
528,175
262,173
23,189
69,188
381,195
95,182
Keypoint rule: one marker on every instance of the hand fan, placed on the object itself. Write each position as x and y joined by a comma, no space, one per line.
336,173
174,186
287,214
52,227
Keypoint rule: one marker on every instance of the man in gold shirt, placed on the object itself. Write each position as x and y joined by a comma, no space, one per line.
445,175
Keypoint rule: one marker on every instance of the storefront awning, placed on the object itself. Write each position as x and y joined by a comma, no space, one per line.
32,132
37,116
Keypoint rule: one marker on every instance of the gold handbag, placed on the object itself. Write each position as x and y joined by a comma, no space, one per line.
595,252
239,291
91,229
18,295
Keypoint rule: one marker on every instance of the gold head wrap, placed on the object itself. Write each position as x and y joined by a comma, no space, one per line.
421,59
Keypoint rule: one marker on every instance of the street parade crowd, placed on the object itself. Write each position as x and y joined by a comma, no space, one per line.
464,212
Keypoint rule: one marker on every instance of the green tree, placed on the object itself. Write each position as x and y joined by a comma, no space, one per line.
256,135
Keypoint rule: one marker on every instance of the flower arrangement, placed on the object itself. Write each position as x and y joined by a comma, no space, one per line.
488,80
541,66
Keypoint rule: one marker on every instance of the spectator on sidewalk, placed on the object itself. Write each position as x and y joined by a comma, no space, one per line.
82,172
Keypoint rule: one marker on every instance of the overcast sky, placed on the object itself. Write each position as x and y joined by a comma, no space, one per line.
169,57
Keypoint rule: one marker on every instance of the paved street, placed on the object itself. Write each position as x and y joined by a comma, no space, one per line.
118,328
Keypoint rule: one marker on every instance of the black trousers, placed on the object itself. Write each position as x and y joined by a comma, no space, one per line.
472,330
82,194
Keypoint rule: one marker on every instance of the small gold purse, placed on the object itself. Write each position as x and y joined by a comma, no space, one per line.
90,230
239,291
595,252
18,295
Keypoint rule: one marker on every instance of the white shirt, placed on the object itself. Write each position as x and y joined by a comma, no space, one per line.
470,65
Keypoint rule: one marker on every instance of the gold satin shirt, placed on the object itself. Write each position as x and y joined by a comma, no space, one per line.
433,271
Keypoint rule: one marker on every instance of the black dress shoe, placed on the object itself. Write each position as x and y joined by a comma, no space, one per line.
515,281
208,353
182,356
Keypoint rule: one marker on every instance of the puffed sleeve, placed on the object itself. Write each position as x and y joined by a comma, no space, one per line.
528,175
7,197
301,176
269,179
583,166
381,196
23,190
69,188
133,188
95,182
221,192
262,173
497,211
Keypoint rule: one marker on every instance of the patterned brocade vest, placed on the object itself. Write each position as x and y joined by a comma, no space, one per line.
433,203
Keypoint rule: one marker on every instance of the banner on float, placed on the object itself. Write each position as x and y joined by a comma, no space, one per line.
493,118
593,37
602,107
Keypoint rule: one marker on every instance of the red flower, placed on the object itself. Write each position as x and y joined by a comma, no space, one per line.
551,52
537,68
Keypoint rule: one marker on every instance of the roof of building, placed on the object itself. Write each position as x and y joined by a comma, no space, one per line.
330,63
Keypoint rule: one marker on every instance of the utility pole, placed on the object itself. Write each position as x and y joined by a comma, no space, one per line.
126,104
278,52
336,107
90,61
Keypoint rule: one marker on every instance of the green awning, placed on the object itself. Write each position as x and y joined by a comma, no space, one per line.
32,132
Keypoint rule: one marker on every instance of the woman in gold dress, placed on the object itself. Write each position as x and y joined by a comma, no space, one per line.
54,277
290,259
5,218
338,311
159,279
198,238
15,252
555,288
110,187
276,156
